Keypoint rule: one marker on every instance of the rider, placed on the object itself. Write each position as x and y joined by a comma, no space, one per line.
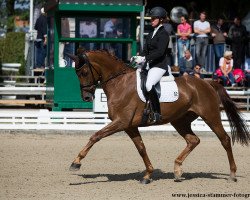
156,56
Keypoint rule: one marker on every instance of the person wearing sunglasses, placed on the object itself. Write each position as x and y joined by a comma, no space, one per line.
197,71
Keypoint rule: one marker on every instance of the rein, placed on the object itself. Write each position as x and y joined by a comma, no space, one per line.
113,77
97,82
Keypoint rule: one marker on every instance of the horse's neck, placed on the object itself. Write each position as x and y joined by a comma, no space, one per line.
120,80
113,69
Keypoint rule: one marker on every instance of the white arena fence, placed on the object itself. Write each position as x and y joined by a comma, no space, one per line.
88,121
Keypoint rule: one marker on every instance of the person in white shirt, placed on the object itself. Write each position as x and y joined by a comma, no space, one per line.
88,29
201,29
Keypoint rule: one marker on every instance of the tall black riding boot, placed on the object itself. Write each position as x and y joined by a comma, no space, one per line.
153,97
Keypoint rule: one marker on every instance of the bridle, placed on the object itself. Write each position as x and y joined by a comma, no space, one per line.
96,82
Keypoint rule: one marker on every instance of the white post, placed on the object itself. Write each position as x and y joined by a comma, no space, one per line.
142,14
30,66
176,51
31,17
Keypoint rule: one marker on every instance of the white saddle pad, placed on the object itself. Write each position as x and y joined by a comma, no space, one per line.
169,89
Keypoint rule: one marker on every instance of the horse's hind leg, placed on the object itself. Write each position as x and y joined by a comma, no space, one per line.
136,138
214,122
183,126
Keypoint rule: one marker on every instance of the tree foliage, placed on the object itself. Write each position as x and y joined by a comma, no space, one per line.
8,9
12,49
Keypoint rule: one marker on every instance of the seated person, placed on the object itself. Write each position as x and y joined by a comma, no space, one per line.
239,77
197,71
247,81
186,63
247,72
225,70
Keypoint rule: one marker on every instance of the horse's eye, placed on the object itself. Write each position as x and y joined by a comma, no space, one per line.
82,73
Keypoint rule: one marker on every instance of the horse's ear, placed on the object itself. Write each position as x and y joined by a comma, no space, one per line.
72,57
80,50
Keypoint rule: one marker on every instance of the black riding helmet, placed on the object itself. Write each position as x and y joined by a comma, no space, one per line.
158,12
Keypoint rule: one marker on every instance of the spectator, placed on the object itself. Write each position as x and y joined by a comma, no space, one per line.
219,35
168,27
192,10
247,81
186,63
88,29
112,29
247,72
201,29
197,71
225,73
41,41
238,35
183,32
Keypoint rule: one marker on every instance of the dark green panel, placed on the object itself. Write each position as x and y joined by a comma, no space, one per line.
100,8
67,90
67,85
49,85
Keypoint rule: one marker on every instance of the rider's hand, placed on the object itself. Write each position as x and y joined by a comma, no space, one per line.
139,60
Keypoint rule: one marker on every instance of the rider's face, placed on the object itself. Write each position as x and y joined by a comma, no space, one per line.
155,22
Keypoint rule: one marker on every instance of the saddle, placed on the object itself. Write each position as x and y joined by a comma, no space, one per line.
166,90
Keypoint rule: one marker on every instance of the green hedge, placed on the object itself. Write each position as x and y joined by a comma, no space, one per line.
12,49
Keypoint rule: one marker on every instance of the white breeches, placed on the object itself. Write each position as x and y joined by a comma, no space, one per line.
154,76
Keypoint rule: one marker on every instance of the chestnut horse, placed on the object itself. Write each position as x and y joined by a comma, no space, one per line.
196,98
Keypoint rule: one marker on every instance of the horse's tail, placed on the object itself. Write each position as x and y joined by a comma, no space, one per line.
239,128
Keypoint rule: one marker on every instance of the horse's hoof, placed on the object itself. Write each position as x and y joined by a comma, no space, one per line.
177,179
232,179
75,167
177,176
145,181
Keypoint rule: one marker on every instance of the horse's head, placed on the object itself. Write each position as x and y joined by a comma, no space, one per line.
96,68
88,75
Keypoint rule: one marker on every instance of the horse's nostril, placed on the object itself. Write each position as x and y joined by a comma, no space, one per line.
87,99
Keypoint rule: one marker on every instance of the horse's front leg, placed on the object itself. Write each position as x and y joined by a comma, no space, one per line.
134,134
108,130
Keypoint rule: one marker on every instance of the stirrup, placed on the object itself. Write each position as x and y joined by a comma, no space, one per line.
156,117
